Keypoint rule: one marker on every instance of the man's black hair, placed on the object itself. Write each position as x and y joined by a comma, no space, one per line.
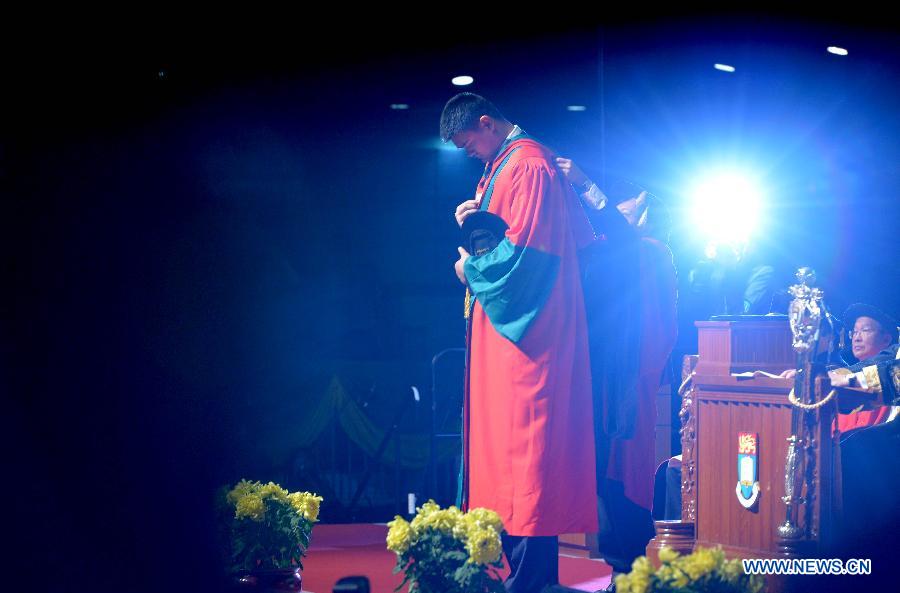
462,112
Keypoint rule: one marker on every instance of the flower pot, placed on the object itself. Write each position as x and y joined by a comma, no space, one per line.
267,581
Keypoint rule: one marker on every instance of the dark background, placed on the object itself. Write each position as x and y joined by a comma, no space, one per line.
204,226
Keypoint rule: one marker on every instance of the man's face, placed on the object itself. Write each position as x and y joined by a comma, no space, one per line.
868,338
479,143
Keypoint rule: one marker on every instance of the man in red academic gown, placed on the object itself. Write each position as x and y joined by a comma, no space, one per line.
528,429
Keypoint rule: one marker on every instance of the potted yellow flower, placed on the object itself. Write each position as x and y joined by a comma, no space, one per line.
265,533
704,570
448,551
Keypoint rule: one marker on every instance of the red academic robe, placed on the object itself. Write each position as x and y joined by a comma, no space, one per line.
864,419
882,375
528,427
632,461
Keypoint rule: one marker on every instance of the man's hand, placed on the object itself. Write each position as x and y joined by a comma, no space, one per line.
575,175
465,209
633,210
839,379
463,256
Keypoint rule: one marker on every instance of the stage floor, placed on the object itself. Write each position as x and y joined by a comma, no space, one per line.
358,549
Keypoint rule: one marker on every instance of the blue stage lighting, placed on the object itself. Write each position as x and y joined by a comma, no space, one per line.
725,208
446,147
463,80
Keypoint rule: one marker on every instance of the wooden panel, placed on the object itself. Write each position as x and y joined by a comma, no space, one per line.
717,406
580,544
727,347
714,347
720,517
765,347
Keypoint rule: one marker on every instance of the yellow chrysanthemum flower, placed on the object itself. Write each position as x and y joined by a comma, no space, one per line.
733,570
667,555
306,504
624,584
679,572
240,490
665,573
273,490
442,520
679,578
640,582
462,527
719,557
485,518
423,512
700,563
296,500
483,545
641,566
399,536
250,506
416,524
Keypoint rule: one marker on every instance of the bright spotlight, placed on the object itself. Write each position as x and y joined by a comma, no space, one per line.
723,67
446,147
725,207
462,80
838,51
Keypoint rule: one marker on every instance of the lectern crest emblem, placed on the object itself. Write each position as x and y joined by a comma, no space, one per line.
747,489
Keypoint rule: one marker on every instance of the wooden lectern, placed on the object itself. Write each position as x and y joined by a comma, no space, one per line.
733,424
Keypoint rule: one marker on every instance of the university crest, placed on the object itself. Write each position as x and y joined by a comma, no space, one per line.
747,488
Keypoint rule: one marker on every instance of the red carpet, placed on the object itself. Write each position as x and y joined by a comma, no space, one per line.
358,549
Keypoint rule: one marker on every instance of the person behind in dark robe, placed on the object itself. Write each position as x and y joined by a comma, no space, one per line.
633,329
730,278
